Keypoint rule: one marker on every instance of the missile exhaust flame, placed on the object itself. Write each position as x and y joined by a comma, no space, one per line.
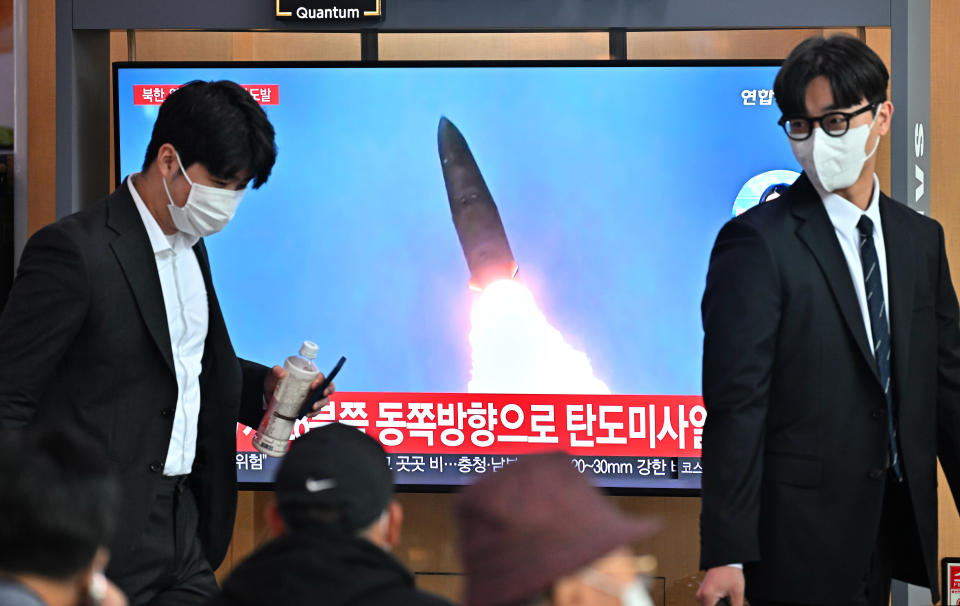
516,350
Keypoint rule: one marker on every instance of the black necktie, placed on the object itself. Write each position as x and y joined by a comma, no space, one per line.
880,329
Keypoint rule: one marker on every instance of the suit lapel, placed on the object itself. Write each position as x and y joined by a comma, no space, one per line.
817,233
135,255
216,327
900,280
200,250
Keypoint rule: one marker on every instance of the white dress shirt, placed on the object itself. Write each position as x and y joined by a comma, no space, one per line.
844,215
185,301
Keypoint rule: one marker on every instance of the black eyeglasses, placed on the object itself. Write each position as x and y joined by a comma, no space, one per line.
835,124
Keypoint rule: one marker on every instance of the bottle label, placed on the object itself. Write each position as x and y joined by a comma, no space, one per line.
273,436
271,447
289,396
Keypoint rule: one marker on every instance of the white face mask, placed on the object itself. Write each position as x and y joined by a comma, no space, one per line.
632,594
208,209
635,594
97,591
835,162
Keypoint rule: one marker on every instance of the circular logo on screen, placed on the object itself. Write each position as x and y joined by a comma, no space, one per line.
763,188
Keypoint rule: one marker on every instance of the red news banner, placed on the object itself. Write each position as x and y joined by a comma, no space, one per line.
454,423
156,94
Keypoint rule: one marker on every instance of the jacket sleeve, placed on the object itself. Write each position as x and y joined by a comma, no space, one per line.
251,397
948,373
44,313
741,317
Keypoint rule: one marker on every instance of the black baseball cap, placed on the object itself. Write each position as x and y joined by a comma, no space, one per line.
337,469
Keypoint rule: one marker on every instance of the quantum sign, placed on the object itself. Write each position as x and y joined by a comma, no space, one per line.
339,11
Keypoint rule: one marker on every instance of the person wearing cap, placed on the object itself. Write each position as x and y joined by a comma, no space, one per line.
336,521
537,533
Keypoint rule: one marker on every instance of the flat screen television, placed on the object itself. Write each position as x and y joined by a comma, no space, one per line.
561,311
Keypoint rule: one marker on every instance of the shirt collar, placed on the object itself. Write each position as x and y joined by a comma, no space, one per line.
159,241
845,214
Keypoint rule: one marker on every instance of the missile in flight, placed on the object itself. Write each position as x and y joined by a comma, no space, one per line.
475,214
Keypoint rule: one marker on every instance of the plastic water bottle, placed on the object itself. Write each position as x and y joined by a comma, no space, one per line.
273,436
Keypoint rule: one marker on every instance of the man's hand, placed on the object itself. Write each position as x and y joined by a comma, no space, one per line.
277,372
722,582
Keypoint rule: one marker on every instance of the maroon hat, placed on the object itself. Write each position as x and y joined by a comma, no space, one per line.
533,522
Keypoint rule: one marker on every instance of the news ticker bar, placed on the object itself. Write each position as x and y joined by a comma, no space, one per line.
434,469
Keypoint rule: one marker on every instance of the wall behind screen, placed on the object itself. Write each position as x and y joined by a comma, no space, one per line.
429,543
944,204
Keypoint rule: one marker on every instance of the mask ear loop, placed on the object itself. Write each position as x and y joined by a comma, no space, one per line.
185,176
184,171
876,145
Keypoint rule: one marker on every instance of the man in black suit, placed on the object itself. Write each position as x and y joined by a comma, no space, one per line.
113,326
831,364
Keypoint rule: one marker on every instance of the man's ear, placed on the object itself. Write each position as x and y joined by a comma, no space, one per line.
167,162
394,524
884,121
274,520
101,559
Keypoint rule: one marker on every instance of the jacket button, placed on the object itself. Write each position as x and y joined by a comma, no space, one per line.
166,413
156,467
875,474
879,413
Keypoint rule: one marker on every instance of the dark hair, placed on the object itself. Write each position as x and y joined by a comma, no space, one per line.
301,517
855,73
219,125
57,499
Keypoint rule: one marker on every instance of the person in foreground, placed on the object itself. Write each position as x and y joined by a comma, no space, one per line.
113,325
537,533
57,509
336,521
831,363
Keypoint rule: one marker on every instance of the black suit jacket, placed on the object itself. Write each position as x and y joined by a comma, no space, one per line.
795,444
84,340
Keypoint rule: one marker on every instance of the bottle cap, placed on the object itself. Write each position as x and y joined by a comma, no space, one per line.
308,350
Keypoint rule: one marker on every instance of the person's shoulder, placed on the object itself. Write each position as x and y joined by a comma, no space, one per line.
14,594
405,595
85,220
923,229
83,228
766,222
416,597
428,599
781,212
766,216
221,599
903,213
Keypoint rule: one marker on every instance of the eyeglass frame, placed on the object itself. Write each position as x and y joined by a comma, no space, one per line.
818,119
